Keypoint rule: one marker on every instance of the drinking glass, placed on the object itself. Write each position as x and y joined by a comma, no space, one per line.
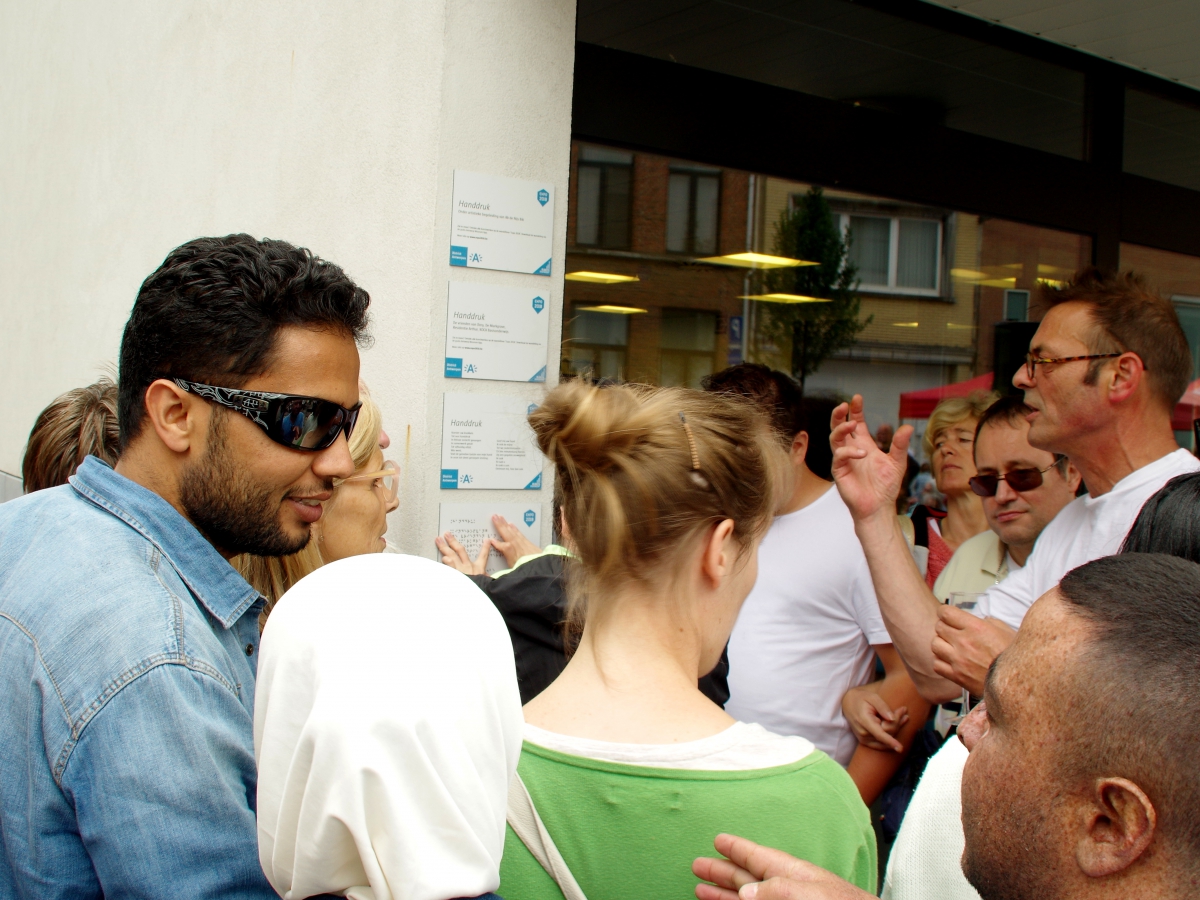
968,601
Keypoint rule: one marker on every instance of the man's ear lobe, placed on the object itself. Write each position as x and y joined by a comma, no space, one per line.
799,446
176,416
1127,374
1120,826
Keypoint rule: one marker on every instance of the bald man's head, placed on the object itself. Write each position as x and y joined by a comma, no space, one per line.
1135,698
1082,782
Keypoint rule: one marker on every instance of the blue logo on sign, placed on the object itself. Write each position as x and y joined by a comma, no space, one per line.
543,269
543,196
536,484
449,479
458,256
539,375
476,257
538,304
453,368
530,517
471,369
532,407
464,479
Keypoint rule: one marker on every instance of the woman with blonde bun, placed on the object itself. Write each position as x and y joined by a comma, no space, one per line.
628,771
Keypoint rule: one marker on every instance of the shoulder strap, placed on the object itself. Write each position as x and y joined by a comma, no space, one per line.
527,824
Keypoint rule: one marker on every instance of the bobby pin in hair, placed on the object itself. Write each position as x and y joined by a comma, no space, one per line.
699,479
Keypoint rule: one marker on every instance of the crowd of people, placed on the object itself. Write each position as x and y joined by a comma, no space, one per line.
759,630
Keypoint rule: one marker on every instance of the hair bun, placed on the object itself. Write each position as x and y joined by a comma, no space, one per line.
584,427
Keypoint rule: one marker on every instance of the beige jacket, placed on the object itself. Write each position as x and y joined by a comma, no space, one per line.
977,564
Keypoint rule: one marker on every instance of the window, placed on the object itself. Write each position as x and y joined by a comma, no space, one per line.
1016,306
894,254
693,197
604,178
1162,139
689,343
598,344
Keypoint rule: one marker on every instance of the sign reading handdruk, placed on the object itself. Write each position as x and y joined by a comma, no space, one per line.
471,523
496,333
487,443
501,223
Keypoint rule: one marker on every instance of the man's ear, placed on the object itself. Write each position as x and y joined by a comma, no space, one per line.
1073,477
717,558
178,418
1125,376
1119,827
799,447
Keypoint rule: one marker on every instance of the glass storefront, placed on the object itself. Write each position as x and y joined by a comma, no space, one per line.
669,303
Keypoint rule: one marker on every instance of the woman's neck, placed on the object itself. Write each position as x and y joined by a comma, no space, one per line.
964,519
632,679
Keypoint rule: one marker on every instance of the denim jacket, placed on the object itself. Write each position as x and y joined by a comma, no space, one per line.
128,648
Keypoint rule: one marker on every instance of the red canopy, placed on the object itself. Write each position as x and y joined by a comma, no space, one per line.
920,404
1188,408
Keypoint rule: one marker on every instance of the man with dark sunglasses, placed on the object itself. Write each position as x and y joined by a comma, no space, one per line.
1107,365
1023,489
129,643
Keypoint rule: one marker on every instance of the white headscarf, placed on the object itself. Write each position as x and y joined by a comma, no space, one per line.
387,726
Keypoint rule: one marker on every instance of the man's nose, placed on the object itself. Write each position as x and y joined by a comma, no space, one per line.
974,726
1004,491
335,460
1021,378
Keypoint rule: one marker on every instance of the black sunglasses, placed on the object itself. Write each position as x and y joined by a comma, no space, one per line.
1018,480
302,423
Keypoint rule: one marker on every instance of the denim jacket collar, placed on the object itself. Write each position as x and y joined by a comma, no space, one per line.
216,584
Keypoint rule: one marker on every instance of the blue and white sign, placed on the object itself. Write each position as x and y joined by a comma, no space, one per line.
487,444
501,223
496,333
471,524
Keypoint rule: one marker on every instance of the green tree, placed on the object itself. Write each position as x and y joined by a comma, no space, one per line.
817,330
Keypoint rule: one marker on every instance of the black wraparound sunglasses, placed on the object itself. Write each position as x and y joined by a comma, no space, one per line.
1018,480
302,423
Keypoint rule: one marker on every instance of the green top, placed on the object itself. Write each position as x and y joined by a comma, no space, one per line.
631,832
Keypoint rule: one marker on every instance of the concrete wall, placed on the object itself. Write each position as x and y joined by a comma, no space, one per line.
132,126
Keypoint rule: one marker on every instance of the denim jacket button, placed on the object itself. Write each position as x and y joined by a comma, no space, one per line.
249,649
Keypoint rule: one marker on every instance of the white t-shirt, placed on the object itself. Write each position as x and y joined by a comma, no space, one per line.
738,748
924,862
804,635
1087,528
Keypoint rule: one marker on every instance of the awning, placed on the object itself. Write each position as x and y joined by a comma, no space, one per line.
920,404
1188,408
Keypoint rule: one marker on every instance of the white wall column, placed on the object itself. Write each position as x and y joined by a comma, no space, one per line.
131,127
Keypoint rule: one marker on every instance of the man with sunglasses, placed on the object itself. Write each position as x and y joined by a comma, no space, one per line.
1106,367
129,643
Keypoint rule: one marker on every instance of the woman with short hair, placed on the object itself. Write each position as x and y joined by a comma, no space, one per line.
949,443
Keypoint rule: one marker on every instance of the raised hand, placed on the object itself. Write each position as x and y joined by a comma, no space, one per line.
753,872
868,479
456,556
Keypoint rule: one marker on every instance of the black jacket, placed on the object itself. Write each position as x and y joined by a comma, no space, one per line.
532,598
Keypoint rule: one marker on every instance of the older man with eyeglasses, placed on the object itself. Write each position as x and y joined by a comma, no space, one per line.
1105,369
129,644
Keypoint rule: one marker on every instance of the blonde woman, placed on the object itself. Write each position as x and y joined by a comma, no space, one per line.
631,769
352,522
949,441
